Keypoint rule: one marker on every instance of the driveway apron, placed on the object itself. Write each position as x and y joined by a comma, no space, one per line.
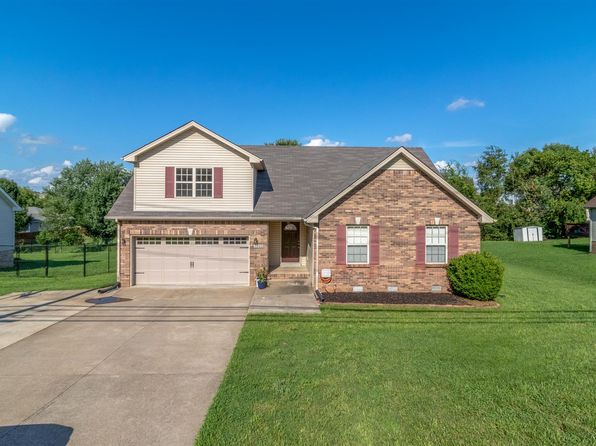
139,371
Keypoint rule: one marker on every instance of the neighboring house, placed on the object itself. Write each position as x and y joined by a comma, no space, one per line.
591,211
33,228
201,210
7,209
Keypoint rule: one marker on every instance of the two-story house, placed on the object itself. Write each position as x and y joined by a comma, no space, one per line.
201,210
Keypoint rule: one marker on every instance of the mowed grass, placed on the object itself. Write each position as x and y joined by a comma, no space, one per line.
65,270
520,374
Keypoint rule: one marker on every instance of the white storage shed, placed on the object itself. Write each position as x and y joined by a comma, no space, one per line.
528,234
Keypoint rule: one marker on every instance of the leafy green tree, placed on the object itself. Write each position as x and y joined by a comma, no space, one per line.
550,186
24,197
284,142
491,171
457,175
78,200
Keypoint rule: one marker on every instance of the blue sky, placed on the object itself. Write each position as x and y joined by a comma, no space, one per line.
97,80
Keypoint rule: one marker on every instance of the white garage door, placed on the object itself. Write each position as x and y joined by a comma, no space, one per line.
191,261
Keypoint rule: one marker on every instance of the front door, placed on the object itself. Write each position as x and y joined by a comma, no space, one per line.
290,242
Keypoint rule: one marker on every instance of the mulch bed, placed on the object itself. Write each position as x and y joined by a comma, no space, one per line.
402,299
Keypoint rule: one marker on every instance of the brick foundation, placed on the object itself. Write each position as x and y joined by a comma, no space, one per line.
256,231
397,201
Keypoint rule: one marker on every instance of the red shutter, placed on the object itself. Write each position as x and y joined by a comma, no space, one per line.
218,182
420,245
374,245
170,182
340,245
453,241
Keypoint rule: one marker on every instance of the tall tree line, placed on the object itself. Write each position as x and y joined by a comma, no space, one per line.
546,187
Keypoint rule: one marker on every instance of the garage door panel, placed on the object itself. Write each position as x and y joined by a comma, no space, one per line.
184,262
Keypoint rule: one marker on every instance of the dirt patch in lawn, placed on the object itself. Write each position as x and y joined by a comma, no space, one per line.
442,299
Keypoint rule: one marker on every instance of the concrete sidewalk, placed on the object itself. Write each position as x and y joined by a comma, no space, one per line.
141,372
282,297
37,311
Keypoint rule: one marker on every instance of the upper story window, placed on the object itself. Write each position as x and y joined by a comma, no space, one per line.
357,244
436,244
194,182
184,182
204,182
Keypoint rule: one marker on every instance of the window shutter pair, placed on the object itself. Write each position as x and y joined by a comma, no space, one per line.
452,243
373,244
170,184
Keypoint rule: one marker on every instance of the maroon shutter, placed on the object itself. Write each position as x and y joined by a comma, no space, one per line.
420,245
170,182
218,182
340,245
374,245
453,241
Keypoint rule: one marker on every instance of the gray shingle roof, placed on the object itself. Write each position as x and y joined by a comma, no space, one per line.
592,203
295,182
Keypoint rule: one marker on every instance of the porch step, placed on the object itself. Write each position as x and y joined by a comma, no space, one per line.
290,282
289,274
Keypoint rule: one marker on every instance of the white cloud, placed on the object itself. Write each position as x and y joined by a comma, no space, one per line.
37,140
46,170
470,164
35,181
6,120
67,163
400,139
79,148
321,141
5,173
441,164
461,143
465,103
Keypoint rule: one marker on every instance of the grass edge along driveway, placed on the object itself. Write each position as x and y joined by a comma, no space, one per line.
520,374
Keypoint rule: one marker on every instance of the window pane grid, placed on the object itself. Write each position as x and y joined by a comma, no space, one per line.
235,240
204,182
436,244
357,244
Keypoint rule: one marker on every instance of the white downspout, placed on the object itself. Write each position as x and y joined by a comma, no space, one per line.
117,251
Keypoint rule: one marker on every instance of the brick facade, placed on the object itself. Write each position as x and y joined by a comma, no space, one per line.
397,201
256,232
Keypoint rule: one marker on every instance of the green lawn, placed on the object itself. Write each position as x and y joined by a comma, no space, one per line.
65,270
521,374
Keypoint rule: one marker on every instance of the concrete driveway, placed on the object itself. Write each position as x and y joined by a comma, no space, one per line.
142,371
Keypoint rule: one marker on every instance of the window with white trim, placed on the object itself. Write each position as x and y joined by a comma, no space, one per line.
357,244
203,182
436,244
184,181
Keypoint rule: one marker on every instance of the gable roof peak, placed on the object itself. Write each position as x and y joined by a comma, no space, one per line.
254,160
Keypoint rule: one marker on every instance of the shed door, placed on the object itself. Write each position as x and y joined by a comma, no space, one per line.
191,261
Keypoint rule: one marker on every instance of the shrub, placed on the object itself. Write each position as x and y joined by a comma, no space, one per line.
476,275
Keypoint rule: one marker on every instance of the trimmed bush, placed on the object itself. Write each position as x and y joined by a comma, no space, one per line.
476,275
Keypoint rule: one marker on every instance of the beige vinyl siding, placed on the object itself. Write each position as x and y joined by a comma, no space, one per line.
6,226
274,243
192,149
400,164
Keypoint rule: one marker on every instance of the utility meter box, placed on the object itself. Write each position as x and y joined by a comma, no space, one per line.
326,273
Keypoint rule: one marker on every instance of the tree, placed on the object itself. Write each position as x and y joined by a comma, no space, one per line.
550,186
457,175
24,197
491,170
284,142
78,200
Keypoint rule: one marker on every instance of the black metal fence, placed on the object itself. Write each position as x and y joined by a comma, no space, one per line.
54,260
